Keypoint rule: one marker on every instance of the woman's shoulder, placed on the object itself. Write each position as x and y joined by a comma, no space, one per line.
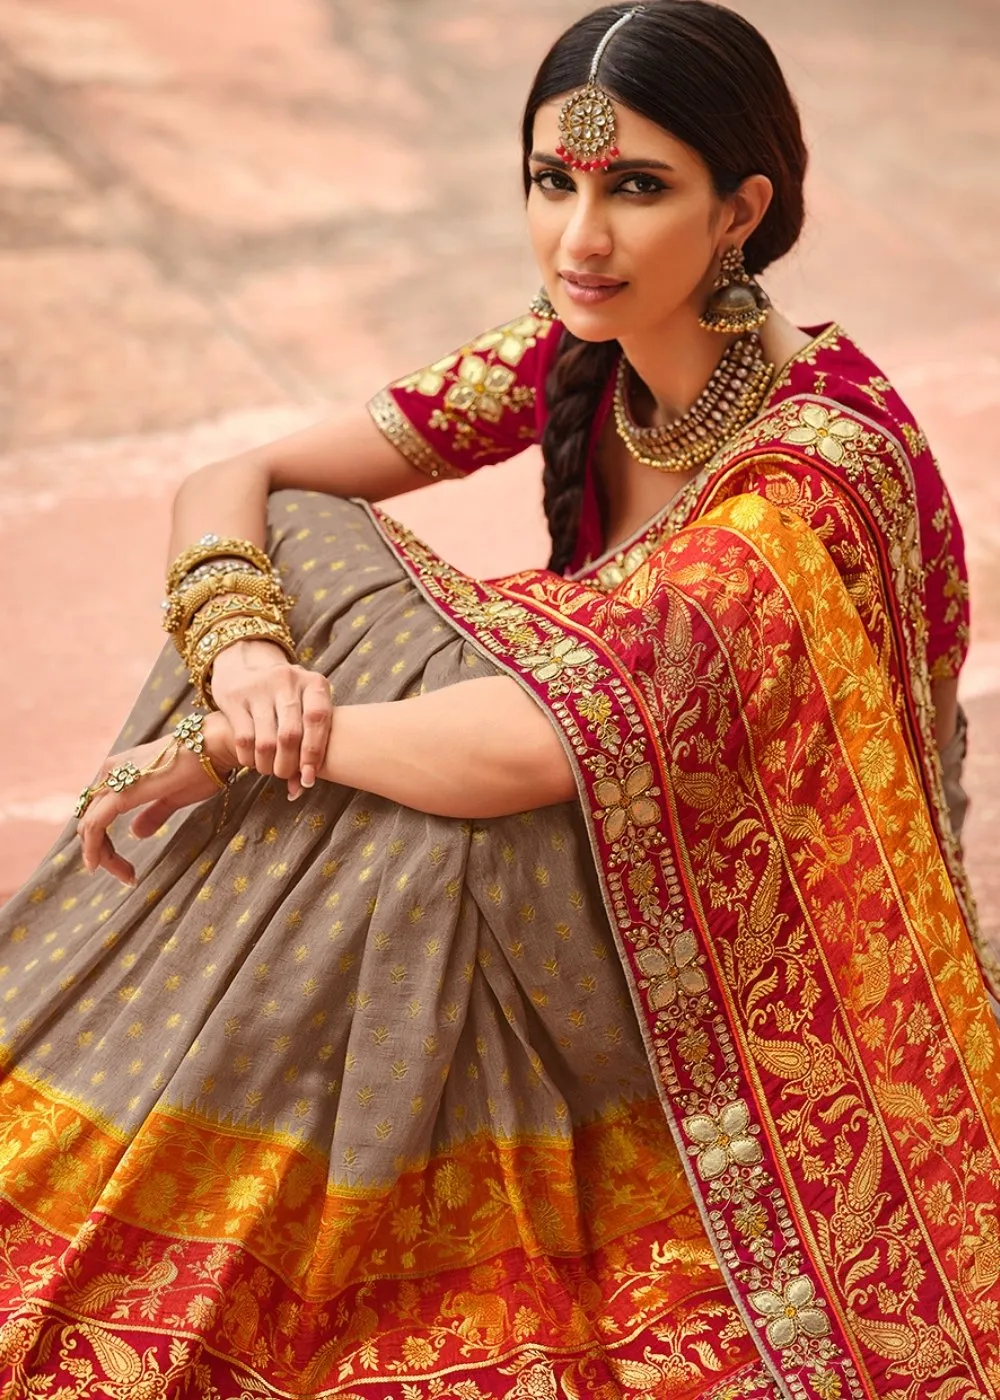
833,370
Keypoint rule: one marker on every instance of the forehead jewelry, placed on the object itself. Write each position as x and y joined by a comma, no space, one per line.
587,120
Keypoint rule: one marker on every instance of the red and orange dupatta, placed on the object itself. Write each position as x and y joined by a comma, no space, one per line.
749,724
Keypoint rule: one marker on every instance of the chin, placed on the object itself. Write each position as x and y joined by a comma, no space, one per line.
596,324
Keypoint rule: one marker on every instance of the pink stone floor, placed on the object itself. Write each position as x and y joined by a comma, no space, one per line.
218,219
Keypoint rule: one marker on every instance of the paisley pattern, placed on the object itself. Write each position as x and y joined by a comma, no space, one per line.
688,1089
826,1052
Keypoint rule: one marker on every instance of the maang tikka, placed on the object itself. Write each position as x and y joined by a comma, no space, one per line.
587,120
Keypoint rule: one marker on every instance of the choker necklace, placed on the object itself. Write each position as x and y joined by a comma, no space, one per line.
729,400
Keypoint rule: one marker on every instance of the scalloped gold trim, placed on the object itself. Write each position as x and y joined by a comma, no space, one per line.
405,438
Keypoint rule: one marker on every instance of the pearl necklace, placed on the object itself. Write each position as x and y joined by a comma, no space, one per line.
729,400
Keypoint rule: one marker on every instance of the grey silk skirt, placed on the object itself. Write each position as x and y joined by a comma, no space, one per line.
342,1099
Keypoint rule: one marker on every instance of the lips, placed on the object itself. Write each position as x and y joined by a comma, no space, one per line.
590,279
590,288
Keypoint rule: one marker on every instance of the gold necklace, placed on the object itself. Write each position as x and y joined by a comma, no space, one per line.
729,400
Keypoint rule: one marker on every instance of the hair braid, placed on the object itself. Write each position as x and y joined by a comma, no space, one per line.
574,389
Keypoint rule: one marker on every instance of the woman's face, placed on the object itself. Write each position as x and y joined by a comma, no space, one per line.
622,252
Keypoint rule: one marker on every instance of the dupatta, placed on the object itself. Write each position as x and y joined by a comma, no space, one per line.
745,701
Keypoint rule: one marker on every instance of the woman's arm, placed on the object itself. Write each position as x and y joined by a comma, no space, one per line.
476,750
479,749
343,456
280,713
944,694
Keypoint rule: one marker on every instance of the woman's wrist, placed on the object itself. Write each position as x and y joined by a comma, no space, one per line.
219,745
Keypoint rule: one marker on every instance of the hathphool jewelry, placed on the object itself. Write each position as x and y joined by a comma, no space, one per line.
737,303
187,734
730,399
587,122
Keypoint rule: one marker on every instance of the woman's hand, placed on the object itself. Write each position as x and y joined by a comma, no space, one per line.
177,784
280,714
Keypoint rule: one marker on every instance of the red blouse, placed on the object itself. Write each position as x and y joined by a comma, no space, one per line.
486,403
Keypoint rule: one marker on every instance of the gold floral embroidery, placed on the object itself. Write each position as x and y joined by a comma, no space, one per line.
825,430
625,802
673,971
791,1312
476,389
722,1138
834,1120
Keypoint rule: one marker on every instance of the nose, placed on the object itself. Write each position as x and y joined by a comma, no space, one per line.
588,231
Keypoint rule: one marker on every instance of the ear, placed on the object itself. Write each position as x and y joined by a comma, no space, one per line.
747,207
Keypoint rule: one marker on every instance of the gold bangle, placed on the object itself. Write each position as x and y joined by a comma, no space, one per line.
230,605
215,547
194,652
180,607
202,657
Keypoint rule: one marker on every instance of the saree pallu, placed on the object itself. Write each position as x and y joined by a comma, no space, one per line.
688,1088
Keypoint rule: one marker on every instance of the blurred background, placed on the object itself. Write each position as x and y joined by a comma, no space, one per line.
218,220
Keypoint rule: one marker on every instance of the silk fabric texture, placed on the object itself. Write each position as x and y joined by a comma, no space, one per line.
687,1088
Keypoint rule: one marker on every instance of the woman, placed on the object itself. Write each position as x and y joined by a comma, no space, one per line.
604,1025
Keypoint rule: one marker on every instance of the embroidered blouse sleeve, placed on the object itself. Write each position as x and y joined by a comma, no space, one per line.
479,406
946,581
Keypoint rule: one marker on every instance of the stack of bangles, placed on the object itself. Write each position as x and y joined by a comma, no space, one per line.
187,735
222,591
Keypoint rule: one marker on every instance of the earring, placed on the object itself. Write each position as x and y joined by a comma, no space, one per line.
737,304
541,306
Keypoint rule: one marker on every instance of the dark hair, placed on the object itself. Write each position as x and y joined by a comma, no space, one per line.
708,77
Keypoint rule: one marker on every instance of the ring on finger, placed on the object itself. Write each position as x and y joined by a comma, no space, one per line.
125,775
83,802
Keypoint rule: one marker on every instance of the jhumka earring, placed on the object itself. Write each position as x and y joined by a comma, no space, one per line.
541,306
587,120
737,304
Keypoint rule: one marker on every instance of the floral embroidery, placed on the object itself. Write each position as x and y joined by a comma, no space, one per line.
790,1312
722,1138
626,802
825,431
561,656
480,390
672,971
454,415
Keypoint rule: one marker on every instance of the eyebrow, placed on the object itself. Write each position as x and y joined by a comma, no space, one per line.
616,166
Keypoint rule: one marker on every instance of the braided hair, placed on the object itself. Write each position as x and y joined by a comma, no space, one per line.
707,76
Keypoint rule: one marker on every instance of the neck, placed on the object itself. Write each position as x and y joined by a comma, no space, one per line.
675,362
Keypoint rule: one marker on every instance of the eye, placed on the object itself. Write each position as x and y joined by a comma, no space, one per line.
552,181
641,185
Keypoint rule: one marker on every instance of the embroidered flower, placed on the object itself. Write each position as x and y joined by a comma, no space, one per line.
418,1353
790,1312
245,1192
626,802
559,657
751,1221
452,1185
722,1138
825,431
430,381
878,763
480,389
852,1228
672,970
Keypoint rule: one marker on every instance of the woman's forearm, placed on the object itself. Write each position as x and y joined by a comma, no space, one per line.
345,455
227,498
479,749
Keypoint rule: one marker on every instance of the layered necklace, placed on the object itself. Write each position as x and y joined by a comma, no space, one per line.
730,399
